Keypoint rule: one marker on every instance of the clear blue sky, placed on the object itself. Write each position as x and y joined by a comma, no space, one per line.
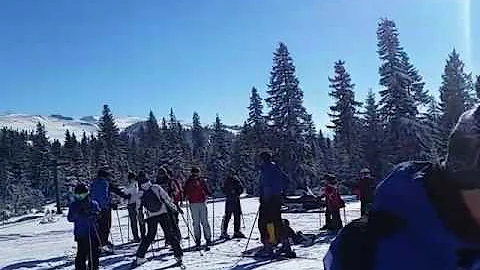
70,57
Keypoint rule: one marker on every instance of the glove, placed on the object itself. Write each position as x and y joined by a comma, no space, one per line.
114,206
179,210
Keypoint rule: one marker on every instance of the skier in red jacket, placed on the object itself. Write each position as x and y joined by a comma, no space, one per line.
196,191
334,203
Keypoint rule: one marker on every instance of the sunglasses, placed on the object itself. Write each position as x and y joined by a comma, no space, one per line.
80,196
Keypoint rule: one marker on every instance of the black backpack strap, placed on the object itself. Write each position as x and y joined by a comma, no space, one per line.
360,237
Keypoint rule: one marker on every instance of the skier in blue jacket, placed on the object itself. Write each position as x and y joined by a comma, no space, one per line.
83,213
100,189
273,183
424,216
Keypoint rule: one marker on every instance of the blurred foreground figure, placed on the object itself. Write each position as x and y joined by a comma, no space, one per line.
424,216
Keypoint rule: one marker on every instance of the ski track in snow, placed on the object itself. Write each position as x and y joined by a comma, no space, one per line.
30,245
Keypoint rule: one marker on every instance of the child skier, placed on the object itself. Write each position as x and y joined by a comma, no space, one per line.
159,208
83,212
232,188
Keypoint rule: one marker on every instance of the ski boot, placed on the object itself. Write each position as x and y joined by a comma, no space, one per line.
239,235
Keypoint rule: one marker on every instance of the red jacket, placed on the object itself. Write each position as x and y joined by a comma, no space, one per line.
196,190
332,197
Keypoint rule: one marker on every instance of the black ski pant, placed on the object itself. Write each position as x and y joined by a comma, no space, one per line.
176,225
364,206
270,212
168,226
232,207
104,223
136,219
87,250
333,221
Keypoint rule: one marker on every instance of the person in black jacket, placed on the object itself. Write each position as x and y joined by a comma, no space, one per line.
232,188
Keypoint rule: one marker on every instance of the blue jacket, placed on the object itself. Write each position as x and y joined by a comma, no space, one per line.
83,214
272,180
423,242
99,192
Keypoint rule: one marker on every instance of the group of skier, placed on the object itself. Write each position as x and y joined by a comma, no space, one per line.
423,215
149,204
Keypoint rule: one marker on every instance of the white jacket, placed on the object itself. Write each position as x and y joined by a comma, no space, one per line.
164,199
134,192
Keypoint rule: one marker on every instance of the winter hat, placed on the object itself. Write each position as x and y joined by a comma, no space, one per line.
266,156
330,177
463,157
104,173
195,170
80,188
142,178
131,175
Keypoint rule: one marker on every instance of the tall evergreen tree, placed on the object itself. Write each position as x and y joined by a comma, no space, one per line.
432,119
345,120
397,104
372,135
40,159
219,156
454,96
416,86
112,146
287,117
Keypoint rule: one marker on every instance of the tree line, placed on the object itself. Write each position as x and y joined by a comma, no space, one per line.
403,121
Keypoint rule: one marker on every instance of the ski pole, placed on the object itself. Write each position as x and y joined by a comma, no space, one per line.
128,227
213,218
90,263
188,229
251,231
188,221
119,225
243,220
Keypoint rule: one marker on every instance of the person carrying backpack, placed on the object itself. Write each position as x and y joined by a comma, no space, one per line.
174,190
135,214
100,191
232,188
83,212
334,202
159,208
425,215
197,191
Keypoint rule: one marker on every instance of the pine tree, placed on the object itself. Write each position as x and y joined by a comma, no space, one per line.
416,84
112,146
454,96
345,121
432,119
40,159
256,135
287,117
477,87
219,155
372,135
152,132
243,160
397,104
198,139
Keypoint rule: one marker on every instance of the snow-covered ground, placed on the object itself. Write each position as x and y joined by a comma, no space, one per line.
30,245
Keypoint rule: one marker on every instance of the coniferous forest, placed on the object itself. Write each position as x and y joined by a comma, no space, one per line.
403,121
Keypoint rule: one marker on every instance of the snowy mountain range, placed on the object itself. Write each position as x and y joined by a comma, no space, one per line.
56,124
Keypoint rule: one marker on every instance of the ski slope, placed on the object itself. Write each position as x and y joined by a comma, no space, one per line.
30,245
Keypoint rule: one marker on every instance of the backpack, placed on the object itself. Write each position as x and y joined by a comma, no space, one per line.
151,201
356,243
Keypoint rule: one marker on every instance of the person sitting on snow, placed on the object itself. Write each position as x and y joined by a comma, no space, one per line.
83,212
425,215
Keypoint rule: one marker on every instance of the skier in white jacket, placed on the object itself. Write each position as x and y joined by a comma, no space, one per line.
135,213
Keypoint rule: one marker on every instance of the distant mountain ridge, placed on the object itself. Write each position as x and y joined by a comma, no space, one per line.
57,124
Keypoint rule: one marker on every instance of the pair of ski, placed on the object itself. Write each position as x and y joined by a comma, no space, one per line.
173,265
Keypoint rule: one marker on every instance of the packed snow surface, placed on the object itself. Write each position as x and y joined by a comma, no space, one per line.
31,245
